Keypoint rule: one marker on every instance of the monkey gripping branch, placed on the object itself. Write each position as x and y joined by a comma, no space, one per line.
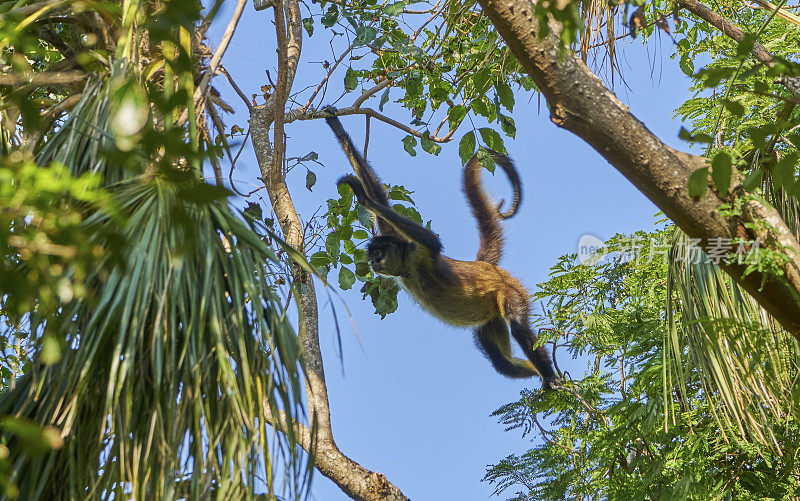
579,102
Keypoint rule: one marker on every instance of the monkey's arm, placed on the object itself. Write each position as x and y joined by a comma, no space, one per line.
406,227
372,185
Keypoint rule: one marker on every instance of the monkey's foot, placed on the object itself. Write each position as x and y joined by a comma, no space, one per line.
552,383
331,110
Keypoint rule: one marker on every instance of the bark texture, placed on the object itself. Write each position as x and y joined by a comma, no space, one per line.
580,103
356,481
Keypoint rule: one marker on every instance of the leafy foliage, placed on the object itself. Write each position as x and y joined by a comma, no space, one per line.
350,227
624,431
137,304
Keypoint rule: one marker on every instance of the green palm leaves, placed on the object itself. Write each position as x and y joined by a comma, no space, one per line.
173,364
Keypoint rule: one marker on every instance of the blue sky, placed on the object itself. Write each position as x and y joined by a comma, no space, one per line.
411,397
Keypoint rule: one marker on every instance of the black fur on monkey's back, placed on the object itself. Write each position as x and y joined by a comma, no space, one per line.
476,294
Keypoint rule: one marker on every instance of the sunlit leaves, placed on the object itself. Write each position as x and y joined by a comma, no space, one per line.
466,148
505,95
409,142
721,171
698,183
350,80
348,226
429,145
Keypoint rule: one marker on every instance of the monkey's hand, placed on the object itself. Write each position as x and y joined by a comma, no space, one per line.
355,184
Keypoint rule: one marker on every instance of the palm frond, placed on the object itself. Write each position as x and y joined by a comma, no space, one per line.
178,358
746,364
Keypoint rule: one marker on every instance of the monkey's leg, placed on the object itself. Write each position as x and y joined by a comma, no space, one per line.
493,340
518,312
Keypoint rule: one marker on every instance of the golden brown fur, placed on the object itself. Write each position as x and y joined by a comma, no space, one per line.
476,294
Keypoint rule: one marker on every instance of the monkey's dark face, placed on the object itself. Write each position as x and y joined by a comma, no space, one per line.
386,255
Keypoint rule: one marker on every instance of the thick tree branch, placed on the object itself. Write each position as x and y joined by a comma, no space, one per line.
758,51
580,103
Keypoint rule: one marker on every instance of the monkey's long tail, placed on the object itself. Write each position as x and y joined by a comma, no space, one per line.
513,176
486,214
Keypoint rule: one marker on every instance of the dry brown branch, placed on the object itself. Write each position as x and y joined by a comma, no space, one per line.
356,481
297,115
202,87
325,79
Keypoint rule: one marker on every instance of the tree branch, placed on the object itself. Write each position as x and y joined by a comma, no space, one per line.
580,103
355,480
298,114
758,51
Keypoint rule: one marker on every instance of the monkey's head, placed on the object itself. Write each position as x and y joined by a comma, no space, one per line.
387,255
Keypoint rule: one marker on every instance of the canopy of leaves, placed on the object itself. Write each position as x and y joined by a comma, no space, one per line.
626,431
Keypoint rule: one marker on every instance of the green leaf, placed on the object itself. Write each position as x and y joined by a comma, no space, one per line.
783,174
466,148
429,145
721,172
505,95
346,278
408,144
795,139
734,107
481,80
309,156
350,80
698,183
319,259
330,17
687,66
360,234
480,107
695,138
384,99
311,180
254,210
455,115
744,47
492,139
36,439
332,245
365,34
364,216
753,180
308,24
508,126
394,9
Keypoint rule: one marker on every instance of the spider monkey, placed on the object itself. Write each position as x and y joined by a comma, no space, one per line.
475,294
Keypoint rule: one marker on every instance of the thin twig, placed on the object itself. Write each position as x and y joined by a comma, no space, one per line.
235,87
294,115
382,84
202,88
330,72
